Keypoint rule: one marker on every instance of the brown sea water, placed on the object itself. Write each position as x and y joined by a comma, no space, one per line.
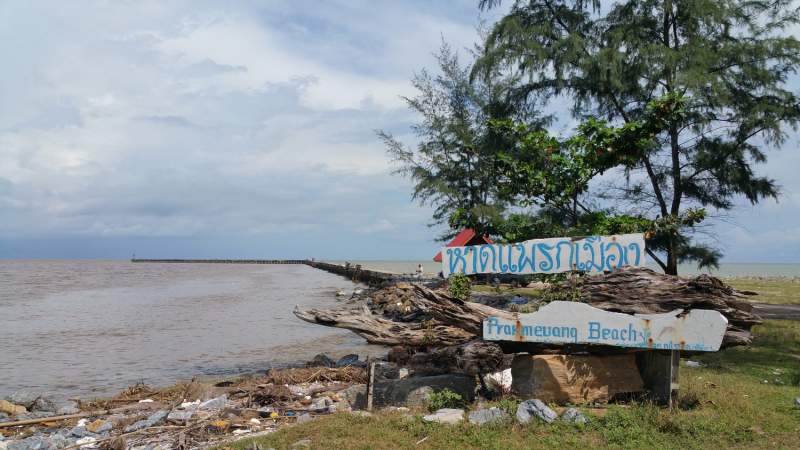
95,327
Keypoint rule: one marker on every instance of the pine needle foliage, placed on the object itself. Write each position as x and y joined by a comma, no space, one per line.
731,59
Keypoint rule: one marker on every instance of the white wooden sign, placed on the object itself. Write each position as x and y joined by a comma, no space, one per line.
579,323
553,255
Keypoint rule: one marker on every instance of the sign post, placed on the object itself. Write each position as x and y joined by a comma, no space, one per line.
578,323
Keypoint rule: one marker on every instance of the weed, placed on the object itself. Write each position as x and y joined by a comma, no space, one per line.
445,399
460,286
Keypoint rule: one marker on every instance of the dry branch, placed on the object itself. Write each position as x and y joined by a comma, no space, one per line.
381,331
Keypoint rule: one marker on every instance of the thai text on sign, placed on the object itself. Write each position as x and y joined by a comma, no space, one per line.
579,323
552,255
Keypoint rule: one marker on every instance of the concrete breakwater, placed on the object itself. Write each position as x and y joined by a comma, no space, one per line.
351,271
223,261
355,272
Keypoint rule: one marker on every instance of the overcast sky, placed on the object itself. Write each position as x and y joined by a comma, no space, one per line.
240,129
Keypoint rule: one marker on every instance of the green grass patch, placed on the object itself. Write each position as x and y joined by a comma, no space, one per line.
775,292
742,398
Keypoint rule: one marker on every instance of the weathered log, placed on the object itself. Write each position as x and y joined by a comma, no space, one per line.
454,311
638,290
472,358
381,331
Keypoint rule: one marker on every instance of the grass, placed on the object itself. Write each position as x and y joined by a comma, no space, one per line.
775,292
734,408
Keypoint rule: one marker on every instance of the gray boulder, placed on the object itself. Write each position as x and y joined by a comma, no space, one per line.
35,415
4,417
158,417
44,404
349,360
445,415
489,416
66,407
321,402
104,427
25,399
412,392
797,402
19,445
140,425
572,415
215,403
531,409
57,442
78,431
323,361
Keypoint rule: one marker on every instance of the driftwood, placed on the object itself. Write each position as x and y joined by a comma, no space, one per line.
629,290
638,290
381,331
472,358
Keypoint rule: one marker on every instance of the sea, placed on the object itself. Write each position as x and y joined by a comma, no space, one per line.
93,328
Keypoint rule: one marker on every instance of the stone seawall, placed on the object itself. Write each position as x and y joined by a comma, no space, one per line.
355,272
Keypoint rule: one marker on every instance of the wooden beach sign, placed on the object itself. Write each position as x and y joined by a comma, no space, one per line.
553,255
578,323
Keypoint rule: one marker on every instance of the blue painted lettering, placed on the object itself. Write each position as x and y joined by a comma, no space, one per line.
594,330
537,331
527,330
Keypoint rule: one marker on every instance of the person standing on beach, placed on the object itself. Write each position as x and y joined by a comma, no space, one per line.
419,272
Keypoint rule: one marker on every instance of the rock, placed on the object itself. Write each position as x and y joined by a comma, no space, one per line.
303,443
348,360
44,404
445,415
321,402
305,417
323,361
692,364
4,417
399,354
24,399
572,415
218,402
412,392
86,443
140,425
66,407
117,443
565,379
200,390
19,445
530,409
11,409
94,427
158,417
797,402
57,442
180,415
489,416
78,431
386,372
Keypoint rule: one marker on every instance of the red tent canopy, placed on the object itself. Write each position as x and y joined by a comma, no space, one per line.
464,239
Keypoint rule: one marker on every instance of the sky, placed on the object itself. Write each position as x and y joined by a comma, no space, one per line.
243,129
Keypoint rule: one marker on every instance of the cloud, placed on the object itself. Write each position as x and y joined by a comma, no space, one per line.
379,226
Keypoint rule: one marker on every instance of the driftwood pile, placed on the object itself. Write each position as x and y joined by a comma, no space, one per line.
455,326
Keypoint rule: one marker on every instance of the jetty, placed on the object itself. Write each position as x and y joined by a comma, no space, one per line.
222,261
351,271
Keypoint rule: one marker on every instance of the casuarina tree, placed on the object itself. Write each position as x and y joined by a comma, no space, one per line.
729,59
455,146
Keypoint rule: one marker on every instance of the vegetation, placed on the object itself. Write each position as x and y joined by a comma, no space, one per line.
729,58
726,404
450,165
446,399
460,286
786,292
